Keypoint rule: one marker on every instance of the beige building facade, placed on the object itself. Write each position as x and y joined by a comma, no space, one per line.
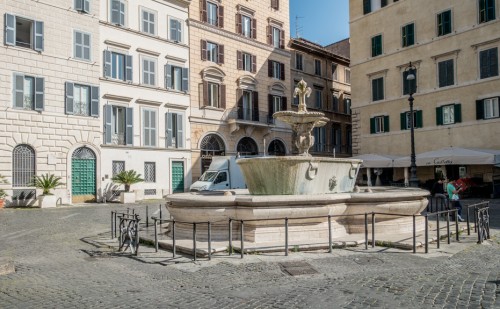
453,47
240,75
328,75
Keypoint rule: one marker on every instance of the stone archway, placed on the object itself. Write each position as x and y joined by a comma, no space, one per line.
83,175
276,148
247,147
211,145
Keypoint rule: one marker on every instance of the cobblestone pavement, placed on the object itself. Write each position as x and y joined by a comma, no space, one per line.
57,268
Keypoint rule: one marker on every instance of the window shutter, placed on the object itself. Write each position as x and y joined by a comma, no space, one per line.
205,94
185,79
220,16
39,93
270,68
367,6
108,120
439,116
107,63
372,126
282,39
402,116
180,131
479,109
18,90
383,3
86,6
169,128
128,68
10,30
374,90
203,50
493,62
115,12
168,76
411,34
269,35
380,86
282,71
406,83
386,124
38,36
450,72
483,63
283,103
79,5
270,99
490,10
203,10
420,123
239,57
254,28
239,29
239,95
255,105
129,126
442,73
254,64
69,98
94,103
222,96
220,58
458,113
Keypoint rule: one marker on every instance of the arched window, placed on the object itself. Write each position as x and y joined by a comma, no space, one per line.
247,147
23,166
211,145
276,148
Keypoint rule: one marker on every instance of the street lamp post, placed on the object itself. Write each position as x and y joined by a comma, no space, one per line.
410,77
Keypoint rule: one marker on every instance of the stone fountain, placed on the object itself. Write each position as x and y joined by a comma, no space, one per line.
296,187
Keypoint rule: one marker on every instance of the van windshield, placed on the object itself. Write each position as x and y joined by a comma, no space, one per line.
208,176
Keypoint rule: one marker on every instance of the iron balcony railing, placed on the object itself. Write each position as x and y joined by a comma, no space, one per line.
248,114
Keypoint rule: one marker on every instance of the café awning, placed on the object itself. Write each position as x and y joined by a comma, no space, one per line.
453,156
372,160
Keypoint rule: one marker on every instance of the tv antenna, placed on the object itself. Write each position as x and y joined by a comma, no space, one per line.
298,27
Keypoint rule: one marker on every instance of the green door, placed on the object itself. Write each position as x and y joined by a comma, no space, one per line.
83,175
177,176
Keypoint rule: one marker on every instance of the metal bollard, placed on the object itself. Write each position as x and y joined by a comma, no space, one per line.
137,235
456,225
414,235
194,241
286,236
448,226
426,233
156,235
112,225
242,230
438,241
160,213
479,232
373,230
173,238
475,220
230,237
115,225
147,216
330,234
366,231
209,241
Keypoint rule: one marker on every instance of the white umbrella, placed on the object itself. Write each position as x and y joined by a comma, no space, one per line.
371,160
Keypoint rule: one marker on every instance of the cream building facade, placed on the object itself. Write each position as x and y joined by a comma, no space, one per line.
240,76
454,47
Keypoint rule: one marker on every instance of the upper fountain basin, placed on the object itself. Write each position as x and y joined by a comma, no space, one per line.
292,117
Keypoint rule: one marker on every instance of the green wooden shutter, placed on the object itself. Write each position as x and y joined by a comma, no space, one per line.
18,90
479,109
180,131
419,123
128,68
410,40
129,126
490,10
185,79
447,22
372,125
367,6
108,120
458,113
94,101
404,125
169,126
39,94
374,46
386,124
439,116
69,99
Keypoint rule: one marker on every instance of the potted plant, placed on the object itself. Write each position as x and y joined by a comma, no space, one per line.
47,182
3,194
127,178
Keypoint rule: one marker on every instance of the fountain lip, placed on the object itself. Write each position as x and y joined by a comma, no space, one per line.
300,158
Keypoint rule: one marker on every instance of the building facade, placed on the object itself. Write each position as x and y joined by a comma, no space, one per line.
328,75
240,76
453,48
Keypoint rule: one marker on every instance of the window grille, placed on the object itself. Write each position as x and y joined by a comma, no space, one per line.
212,142
83,153
150,192
118,167
149,172
23,166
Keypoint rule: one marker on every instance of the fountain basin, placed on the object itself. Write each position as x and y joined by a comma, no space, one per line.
299,175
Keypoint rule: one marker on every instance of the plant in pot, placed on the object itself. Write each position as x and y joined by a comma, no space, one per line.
47,182
3,194
127,178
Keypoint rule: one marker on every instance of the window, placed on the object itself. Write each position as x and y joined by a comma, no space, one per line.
379,124
408,35
175,30
405,120
117,167
317,67
82,100
81,49
276,103
149,127
444,25
23,166
82,6
148,21
487,108
275,4
409,86
373,5
336,138
448,114
149,172
347,73
275,37
347,106
117,66
486,10
118,12
214,95
377,45
335,103
23,32
118,125
212,13
299,62
276,69
28,92
446,75
318,98
174,129
176,78
488,63
319,139
212,52
247,106
149,71
247,62
246,26
334,71
378,89
246,147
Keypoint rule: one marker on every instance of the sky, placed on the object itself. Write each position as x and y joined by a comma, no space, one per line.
320,21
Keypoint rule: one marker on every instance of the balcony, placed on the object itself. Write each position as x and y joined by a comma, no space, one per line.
247,119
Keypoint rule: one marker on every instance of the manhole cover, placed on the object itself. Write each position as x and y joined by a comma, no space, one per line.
297,268
365,260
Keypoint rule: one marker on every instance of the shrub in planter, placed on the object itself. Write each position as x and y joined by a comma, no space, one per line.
127,178
3,194
47,182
